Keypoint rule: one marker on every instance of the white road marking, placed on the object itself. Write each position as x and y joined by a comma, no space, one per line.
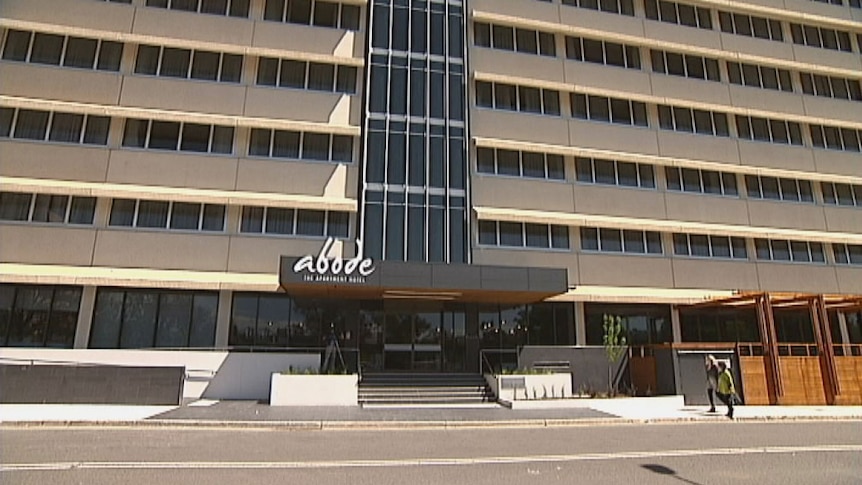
419,462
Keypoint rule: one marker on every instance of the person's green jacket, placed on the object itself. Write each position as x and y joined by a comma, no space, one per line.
725,383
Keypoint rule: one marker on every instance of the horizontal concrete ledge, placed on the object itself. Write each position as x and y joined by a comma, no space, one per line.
668,402
413,425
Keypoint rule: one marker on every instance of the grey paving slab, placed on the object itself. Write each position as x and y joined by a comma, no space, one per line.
255,411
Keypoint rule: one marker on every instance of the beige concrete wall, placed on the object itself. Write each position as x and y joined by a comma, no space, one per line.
832,109
619,201
487,123
59,83
691,146
261,254
46,244
607,136
827,57
624,270
74,13
689,90
496,61
307,39
521,9
159,22
756,47
527,257
772,155
714,274
590,19
182,95
680,34
714,209
295,177
612,78
161,249
172,169
843,219
837,163
767,99
53,161
301,105
849,279
521,193
798,277
768,213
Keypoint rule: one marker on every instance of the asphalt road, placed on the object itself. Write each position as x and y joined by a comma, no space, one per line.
701,453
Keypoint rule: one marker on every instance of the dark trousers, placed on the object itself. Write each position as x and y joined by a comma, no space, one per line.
728,401
710,392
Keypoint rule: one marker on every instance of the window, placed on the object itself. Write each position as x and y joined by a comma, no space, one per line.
611,110
783,250
688,120
167,215
601,52
737,23
612,172
847,253
300,222
774,131
678,13
317,13
188,64
685,65
38,316
55,209
762,187
820,37
174,135
620,241
701,181
520,164
518,235
313,76
841,194
232,8
759,76
57,50
831,87
514,39
705,246
132,319
301,145
26,124
834,138
624,7
517,98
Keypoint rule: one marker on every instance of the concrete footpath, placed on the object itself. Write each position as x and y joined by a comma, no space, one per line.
205,413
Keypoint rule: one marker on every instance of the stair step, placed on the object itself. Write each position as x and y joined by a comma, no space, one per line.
395,389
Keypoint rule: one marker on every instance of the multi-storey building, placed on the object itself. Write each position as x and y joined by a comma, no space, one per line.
488,174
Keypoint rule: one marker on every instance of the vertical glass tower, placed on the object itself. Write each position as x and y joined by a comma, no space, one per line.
414,182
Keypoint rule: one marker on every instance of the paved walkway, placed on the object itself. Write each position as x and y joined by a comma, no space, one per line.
251,413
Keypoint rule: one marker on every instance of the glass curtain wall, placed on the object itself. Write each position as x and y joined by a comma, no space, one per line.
414,193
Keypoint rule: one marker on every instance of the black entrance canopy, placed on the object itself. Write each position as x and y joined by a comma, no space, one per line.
419,281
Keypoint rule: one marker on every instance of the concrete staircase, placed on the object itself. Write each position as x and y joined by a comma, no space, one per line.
425,390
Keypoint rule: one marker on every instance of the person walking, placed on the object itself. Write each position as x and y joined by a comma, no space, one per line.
711,380
726,389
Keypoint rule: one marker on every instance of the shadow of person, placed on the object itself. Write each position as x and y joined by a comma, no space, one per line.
663,470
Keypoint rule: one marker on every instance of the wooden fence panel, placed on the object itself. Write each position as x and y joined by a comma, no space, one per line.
754,383
849,371
802,380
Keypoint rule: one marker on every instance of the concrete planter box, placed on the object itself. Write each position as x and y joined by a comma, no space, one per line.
531,387
655,406
314,390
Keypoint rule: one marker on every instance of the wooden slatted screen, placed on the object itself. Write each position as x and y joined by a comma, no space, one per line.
849,370
802,380
754,383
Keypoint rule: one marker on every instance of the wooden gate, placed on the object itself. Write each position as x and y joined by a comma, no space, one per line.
848,363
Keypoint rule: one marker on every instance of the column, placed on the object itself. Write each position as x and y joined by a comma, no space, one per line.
85,317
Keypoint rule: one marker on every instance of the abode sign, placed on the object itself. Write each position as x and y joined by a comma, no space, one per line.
322,269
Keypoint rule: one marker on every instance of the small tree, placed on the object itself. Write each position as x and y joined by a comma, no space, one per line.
615,345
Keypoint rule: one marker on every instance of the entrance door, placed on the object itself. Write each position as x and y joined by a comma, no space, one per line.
413,342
